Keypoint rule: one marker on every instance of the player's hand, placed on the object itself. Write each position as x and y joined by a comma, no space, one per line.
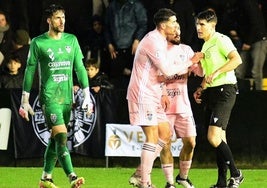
197,57
25,107
209,79
75,89
197,95
165,103
161,78
87,102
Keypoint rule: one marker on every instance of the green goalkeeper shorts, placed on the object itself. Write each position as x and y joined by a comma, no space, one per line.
56,114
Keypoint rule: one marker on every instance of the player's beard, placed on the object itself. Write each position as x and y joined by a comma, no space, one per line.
58,29
176,41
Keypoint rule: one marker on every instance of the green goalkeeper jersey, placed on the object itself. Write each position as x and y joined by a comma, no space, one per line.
56,60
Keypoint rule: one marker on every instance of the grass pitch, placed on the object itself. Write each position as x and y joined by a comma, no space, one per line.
17,177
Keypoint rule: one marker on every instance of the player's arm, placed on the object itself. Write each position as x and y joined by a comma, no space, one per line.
82,79
197,68
84,83
158,55
170,69
198,93
233,59
25,107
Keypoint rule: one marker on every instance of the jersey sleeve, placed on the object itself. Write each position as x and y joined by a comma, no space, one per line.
157,53
32,62
225,45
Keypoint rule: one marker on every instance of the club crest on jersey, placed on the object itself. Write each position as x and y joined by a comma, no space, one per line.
68,49
183,57
157,54
53,118
149,115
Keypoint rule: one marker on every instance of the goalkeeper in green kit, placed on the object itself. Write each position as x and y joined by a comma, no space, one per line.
56,54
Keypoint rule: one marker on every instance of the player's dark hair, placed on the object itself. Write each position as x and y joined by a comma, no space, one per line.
208,15
51,9
163,15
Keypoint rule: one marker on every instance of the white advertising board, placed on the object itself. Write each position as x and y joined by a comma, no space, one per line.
127,140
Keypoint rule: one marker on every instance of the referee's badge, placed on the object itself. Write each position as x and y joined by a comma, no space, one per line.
207,55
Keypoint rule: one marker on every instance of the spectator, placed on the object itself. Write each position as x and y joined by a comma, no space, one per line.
125,26
21,43
252,32
99,7
13,77
17,12
98,80
96,46
6,36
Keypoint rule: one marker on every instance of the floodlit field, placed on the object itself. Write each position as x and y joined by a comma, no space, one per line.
118,177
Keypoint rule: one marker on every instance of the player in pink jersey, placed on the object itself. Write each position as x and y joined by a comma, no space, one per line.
179,112
144,90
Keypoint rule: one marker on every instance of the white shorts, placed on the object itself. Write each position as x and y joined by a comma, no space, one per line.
183,125
146,114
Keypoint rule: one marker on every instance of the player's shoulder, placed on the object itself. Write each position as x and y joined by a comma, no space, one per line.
154,34
223,40
155,38
220,36
69,36
39,37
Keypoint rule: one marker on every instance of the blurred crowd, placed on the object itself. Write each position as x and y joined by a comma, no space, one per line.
109,32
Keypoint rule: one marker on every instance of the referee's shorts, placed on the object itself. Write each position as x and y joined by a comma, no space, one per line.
219,102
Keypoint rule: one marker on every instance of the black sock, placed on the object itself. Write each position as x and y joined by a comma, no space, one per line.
222,170
224,150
